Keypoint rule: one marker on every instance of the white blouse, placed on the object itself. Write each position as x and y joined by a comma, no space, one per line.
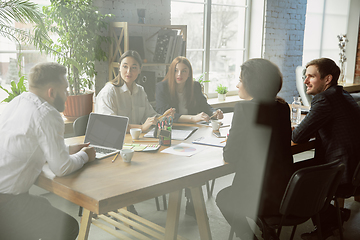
120,101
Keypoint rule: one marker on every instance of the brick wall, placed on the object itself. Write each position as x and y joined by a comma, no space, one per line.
157,12
284,37
357,64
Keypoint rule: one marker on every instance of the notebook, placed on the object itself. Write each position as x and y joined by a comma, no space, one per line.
106,133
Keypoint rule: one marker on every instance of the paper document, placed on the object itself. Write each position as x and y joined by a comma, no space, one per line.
184,149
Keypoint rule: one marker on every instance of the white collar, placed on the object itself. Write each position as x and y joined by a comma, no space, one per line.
125,88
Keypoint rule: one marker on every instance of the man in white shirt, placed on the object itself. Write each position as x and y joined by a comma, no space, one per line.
32,133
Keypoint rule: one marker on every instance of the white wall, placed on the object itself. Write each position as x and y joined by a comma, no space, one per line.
352,34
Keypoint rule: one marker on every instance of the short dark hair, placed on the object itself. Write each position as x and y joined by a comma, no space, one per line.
118,81
262,79
45,73
325,67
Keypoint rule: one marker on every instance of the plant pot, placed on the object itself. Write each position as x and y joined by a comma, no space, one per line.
221,97
78,105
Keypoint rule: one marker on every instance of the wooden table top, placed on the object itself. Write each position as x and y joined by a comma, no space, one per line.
102,186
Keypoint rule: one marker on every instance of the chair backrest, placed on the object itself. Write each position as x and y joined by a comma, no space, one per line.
356,177
301,87
310,189
80,124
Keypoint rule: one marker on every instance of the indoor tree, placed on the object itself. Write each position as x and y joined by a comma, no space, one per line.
23,11
78,26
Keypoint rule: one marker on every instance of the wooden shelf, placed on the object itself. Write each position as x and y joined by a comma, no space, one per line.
119,32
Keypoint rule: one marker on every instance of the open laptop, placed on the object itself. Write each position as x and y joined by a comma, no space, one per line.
106,133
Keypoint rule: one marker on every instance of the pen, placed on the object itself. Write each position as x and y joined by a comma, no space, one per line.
223,141
213,115
115,157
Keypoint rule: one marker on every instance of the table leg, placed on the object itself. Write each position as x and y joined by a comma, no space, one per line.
200,211
172,218
85,225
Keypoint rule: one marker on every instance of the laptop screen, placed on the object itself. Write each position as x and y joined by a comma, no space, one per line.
106,130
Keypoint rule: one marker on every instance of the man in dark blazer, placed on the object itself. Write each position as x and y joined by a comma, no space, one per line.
334,120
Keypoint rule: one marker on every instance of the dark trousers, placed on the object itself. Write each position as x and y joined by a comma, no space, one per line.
32,217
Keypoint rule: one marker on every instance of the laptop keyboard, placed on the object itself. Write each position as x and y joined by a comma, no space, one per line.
103,150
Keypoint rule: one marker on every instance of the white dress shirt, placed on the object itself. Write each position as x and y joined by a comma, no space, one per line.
32,132
120,101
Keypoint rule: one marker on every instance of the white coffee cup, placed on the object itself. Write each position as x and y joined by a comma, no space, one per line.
215,124
127,154
135,133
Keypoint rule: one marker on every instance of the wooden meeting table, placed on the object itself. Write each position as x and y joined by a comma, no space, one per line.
102,186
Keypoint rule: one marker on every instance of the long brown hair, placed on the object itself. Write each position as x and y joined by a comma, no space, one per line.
189,84
118,81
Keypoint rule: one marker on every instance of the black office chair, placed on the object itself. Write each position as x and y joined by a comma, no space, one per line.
346,191
308,191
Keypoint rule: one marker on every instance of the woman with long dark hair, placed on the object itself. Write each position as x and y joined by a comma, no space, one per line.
178,90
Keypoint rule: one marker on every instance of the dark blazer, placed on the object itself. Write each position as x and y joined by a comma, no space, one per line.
334,119
164,102
259,146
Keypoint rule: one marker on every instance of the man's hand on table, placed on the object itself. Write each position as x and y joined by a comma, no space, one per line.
90,151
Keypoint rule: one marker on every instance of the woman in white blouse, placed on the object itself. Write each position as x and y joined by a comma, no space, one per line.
122,96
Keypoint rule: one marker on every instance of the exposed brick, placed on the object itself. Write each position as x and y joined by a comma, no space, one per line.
285,47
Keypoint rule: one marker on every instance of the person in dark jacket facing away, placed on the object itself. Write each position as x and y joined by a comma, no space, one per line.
259,147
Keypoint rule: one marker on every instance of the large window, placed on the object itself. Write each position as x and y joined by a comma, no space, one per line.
325,19
18,57
215,38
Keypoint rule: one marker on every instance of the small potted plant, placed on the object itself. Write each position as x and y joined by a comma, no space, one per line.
221,90
202,83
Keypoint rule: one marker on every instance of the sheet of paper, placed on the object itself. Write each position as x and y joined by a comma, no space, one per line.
184,149
210,141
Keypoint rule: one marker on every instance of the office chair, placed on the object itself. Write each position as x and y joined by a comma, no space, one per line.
346,191
80,124
301,87
309,190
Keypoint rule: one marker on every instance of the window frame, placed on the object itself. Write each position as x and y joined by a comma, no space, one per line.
206,50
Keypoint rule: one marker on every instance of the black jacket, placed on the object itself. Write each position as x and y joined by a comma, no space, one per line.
334,119
259,146
164,102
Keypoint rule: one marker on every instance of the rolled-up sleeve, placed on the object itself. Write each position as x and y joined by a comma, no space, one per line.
51,141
